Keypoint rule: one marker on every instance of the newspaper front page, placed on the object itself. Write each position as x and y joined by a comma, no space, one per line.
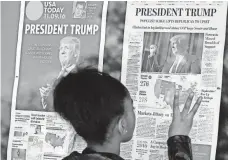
172,46
53,39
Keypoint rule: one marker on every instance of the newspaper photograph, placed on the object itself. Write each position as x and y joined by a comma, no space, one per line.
168,47
53,39
164,59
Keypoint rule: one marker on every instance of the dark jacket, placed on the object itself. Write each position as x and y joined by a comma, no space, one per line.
189,64
179,148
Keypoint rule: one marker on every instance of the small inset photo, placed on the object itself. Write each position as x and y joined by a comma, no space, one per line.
20,134
18,154
35,145
79,9
37,129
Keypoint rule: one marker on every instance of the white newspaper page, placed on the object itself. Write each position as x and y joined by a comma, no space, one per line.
54,38
172,46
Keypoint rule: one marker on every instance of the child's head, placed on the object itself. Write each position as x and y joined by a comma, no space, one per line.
98,106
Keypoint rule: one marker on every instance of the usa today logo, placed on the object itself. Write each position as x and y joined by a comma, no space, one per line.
34,10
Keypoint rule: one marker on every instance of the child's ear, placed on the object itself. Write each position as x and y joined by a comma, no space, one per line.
122,126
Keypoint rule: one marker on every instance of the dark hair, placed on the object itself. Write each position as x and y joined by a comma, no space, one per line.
81,3
90,100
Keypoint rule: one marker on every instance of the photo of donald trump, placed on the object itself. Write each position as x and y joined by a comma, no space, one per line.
172,53
69,52
181,61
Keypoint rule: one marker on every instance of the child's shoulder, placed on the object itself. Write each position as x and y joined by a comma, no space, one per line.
77,156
